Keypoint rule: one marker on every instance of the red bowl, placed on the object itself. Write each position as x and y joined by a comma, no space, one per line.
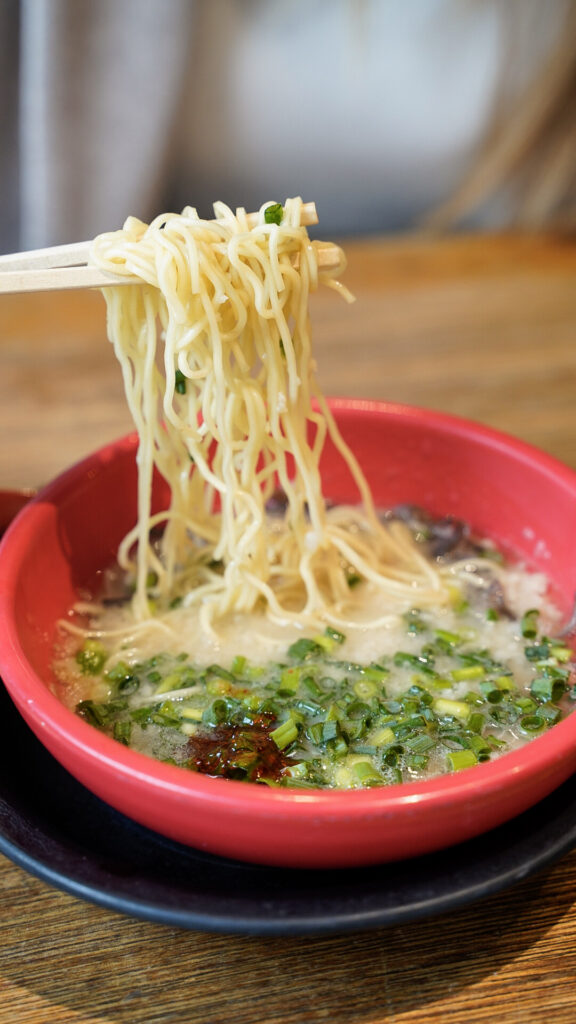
519,496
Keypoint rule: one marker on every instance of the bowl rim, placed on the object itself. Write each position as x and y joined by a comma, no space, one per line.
35,699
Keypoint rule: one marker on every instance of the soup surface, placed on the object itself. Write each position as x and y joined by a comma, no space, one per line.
423,692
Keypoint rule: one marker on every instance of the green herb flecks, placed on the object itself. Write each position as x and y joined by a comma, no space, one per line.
91,658
180,382
274,213
315,719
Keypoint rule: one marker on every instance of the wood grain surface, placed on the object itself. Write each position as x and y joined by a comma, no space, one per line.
484,327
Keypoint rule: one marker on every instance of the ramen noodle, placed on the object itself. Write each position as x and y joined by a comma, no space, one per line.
260,631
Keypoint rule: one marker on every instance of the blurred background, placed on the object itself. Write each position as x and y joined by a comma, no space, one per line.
382,111
393,116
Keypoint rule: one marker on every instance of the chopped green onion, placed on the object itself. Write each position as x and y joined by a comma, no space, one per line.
120,673
414,622
92,712
91,658
525,705
122,731
492,693
469,672
529,623
334,634
366,774
452,639
304,648
238,665
537,652
353,579
310,684
285,734
452,708
550,712
191,714
289,681
422,662
377,673
128,685
544,688
532,723
418,761
480,746
330,730
459,759
173,681
561,653
365,688
383,736
420,744
274,213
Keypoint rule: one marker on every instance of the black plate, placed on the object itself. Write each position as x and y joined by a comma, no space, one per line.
53,827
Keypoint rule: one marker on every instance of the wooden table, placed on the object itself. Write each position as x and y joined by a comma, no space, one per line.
483,327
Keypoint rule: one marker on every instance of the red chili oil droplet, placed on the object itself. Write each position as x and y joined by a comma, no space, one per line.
238,752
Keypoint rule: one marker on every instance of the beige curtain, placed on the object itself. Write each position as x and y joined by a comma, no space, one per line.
94,87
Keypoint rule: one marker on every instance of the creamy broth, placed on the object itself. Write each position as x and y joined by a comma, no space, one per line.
423,693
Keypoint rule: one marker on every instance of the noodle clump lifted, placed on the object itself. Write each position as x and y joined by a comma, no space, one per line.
215,349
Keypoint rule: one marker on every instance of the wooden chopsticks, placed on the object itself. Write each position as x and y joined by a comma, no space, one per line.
58,267
66,266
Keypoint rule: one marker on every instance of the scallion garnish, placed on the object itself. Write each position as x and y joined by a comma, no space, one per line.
331,721
274,213
285,734
91,657
529,623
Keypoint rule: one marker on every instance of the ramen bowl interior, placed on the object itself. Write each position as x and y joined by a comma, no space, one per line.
518,496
